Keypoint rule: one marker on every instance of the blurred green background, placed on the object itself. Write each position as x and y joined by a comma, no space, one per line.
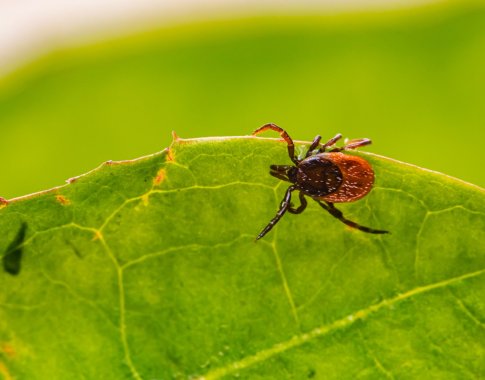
413,81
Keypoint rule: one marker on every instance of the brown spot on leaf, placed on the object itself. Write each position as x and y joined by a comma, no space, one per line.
63,200
8,350
159,177
3,202
170,155
5,372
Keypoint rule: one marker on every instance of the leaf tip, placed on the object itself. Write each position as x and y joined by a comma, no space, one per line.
175,137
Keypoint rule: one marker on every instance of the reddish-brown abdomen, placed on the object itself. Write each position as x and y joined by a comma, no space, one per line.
358,178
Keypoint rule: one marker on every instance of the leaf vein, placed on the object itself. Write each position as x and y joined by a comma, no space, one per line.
76,295
377,363
163,252
466,310
122,306
318,332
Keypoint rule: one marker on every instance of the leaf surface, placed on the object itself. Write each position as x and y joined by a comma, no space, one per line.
148,269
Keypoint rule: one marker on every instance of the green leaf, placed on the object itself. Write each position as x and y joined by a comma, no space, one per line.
148,269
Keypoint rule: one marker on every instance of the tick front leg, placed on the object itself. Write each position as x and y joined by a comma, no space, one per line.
285,204
338,214
303,204
283,134
312,147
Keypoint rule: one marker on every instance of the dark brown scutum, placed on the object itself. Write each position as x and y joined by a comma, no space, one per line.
318,176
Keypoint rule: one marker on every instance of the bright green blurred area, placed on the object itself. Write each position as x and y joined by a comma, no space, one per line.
413,82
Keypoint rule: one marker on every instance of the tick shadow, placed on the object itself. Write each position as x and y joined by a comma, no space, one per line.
13,257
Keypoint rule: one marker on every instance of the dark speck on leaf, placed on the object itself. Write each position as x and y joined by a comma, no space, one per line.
74,249
13,256
311,373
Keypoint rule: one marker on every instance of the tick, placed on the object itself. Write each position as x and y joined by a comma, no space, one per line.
325,174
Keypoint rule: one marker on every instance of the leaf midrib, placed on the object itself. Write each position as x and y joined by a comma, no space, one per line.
320,331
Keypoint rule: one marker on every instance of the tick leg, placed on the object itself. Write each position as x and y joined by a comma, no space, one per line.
330,142
353,144
285,204
303,204
283,134
338,214
312,147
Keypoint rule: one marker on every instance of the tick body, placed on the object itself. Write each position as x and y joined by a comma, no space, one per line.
325,174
